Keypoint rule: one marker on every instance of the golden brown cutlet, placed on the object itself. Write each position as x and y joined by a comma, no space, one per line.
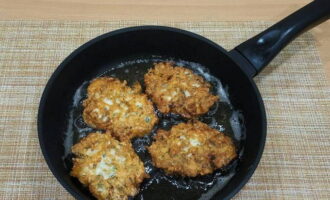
109,168
112,105
178,90
191,149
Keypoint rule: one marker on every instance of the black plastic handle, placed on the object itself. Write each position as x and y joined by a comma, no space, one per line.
262,48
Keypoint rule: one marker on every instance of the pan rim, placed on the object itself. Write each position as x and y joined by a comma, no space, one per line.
86,45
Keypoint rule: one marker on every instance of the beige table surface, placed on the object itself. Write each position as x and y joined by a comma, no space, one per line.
295,163
167,10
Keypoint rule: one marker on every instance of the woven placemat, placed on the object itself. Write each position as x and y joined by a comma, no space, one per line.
296,160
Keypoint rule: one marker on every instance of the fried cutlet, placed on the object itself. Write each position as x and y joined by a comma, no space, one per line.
112,105
178,90
108,167
191,149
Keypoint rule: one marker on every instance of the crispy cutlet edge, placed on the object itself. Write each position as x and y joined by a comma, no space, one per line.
162,106
80,158
163,135
136,88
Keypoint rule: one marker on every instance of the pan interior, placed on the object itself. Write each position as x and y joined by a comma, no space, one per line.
222,116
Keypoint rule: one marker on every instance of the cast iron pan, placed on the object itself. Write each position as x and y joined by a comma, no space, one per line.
134,50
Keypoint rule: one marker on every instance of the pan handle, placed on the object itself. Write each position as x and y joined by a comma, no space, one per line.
262,48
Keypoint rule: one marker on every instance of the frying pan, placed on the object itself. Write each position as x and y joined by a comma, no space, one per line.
235,69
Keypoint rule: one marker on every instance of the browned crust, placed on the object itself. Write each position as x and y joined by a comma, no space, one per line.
112,105
178,90
174,150
119,159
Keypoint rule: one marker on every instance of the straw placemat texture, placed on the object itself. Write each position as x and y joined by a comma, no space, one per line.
296,160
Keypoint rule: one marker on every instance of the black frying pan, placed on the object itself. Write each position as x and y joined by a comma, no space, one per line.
235,69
